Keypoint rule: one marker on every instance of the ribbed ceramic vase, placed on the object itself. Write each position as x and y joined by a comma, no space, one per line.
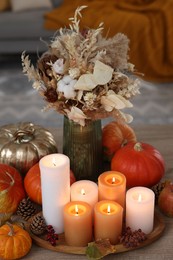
83,145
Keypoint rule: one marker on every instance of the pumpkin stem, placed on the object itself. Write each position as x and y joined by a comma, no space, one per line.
11,232
138,147
23,136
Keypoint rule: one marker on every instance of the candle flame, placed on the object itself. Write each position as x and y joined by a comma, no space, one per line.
54,161
139,198
109,209
82,191
113,180
76,210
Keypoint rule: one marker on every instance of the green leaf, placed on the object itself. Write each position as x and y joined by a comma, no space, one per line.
99,248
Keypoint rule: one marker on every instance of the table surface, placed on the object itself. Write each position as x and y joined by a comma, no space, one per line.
161,137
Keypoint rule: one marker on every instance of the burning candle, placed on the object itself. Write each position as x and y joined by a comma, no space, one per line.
108,218
78,223
140,209
112,186
55,186
84,190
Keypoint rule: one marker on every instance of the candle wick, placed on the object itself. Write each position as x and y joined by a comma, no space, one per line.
82,191
108,209
113,180
76,209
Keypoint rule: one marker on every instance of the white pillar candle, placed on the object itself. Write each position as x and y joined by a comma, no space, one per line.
84,190
140,209
55,186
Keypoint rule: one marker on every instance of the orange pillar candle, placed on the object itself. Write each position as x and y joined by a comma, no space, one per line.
78,223
112,186
108,218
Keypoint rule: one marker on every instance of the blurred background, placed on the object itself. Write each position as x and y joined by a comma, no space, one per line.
30,25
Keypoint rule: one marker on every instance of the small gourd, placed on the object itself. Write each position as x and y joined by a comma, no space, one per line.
15,242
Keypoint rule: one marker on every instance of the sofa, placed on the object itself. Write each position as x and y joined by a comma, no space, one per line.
22,25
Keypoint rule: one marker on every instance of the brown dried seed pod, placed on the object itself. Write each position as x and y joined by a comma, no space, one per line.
132,239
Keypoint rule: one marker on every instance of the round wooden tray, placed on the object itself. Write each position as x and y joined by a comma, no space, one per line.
62,247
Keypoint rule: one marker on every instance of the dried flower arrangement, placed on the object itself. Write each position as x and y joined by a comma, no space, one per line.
84,75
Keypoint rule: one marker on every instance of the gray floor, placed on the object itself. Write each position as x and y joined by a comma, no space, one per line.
20,102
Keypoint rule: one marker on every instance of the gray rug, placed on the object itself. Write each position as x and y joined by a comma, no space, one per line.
20,102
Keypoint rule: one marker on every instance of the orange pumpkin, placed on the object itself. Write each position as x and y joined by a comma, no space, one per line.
32,184
72,177
11,189
114,136
14,242
141,163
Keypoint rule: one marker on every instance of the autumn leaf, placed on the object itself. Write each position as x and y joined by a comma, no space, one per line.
99,248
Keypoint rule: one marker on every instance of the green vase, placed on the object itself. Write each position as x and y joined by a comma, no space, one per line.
83,145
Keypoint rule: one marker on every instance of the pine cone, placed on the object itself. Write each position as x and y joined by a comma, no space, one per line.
26,209
38,224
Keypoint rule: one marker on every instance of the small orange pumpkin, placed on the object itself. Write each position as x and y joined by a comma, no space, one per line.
15,242
32,184
114,136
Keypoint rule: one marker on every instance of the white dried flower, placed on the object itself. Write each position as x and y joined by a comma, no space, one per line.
89,98
74,72
58,66
131,90
66,85
37,85
76,115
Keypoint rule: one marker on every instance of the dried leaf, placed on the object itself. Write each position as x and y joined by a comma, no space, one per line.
127,117
102,73
85,82
99,248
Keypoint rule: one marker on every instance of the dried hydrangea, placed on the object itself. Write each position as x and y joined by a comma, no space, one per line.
84,75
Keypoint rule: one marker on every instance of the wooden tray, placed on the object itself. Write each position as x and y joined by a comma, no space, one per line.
62,247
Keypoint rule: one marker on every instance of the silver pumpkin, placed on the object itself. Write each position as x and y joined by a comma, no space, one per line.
23,144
